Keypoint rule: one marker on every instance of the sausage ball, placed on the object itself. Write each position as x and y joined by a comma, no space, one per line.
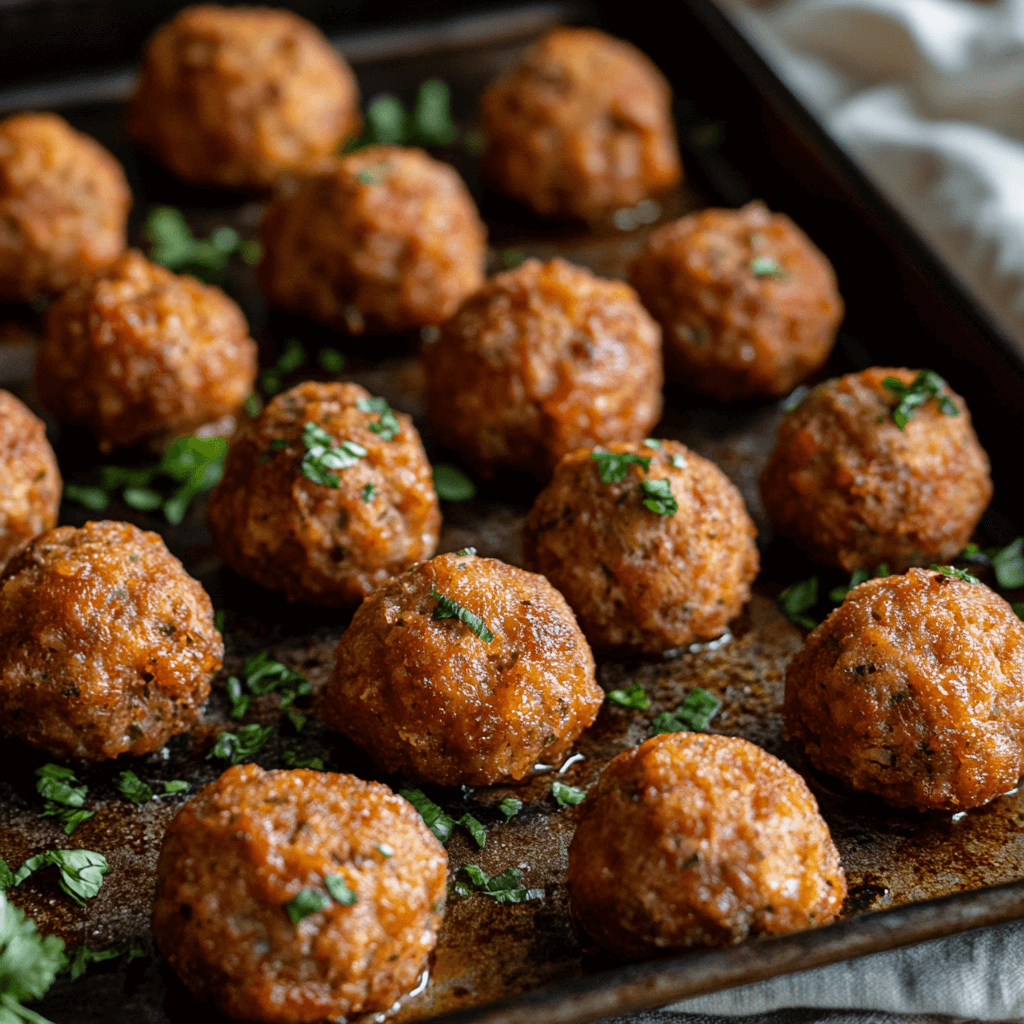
581,127
285,516
240,96
31,484
697,840
295,896
748,305
107,645
139,354
386,239
64,205
853,489
544,359
652,548
913,689
463,671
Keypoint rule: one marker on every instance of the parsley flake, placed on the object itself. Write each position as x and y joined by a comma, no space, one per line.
567,796
958,574
767,266
430,123
307,902
452,484
339,890
510,807
634,697
693,715
384,850
292,358
838,594
83,956
322,456
679,461
132,788
174,246
1018,609
81,871
799,598
927,384
448,608
659,497
368,493
237,746
330,360
1008,564
299,757
475,829
29,963
433,817
387,426
63,798
264,675
374,175
652,442
504,888
613,465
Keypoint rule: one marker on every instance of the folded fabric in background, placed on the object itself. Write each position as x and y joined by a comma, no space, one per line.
928,95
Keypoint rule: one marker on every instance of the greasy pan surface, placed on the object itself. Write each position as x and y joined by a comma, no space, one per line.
488,951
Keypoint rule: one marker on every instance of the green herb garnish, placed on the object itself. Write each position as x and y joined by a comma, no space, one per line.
838,594
1008,564
767,266
387,426
64,798
384,850
475,829
510,807
693,715
330,360
374,175
1018,609
433,817
799,598
567,796
299,757
132,788
634,697
504,888
81,871
430,123
452,484
958,574
679,461
29,963
339,890
292,358
307,902
613,465
652,442
83,956
448,608
265,675
927,384
658,497
174,246
512,258
322,456
237,746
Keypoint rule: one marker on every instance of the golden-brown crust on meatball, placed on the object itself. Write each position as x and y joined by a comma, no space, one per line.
107,645
240,96
852,489
431,698
640,582
138,354
581,127
31,485
316,543
747,303
386,239
247,845
697,840
544,359
913,689
64,205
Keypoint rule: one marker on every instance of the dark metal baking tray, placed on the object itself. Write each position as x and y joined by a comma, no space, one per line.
743,136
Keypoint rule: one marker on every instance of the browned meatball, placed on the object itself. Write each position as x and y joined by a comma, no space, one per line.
695,840
387,239
327,536
64,205
463,671
543,360
581,127
643,573
138,354
30,482
913,689
107,646
854,490
240,96
748,305
255,850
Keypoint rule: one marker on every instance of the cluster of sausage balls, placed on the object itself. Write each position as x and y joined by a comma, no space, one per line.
457,669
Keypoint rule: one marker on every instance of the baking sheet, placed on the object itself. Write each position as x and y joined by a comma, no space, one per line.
487,951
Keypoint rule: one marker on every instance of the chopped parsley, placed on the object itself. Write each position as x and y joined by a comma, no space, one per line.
81,871
322,455
29,963
658,497
679,461
958,574
339,890
384,850
452,484
387,425
429,124
613,465
510,807
83,956
132,788
693,715
448,608
652,442
634,697
799,598
1008,564
368,493
307,902
237,746
174,246
567,796
441,824
265,675
1018,609
927,384
838,594
767,266
330,360
504,888
63,798
292,358
374,175
512,258
299,757
475,829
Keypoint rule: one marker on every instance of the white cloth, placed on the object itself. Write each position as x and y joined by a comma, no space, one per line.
928,95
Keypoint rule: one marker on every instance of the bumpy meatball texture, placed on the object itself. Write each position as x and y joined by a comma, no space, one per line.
463,671
544,359
235,857
139,354
317,542
30,484
747,303
240,96
107,646
913,689
581,127
643,579
64,205
386,239
854,490
695,840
